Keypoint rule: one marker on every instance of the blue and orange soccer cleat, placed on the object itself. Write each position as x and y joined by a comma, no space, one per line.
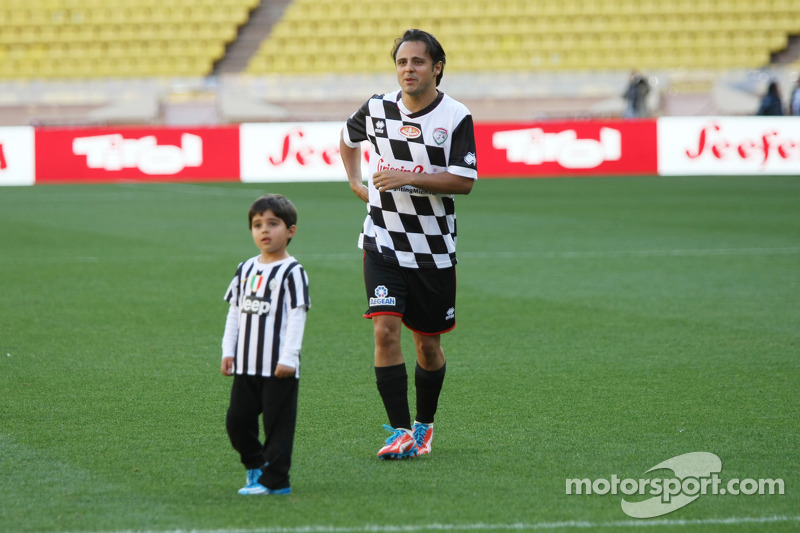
423,435
399,446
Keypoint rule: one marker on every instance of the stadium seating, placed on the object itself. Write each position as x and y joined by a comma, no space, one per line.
67,39
127,38
507,35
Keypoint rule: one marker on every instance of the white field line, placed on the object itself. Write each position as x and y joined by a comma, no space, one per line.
477,256
519,526
630,253
130,189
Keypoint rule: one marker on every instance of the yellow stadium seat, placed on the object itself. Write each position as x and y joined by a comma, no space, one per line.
188,36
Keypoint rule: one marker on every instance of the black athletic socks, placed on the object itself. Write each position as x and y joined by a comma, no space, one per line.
393,387
392,384
429,386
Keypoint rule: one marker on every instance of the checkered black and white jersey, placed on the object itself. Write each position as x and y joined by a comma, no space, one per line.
408,226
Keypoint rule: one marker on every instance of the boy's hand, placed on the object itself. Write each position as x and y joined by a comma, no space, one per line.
227,366
283,371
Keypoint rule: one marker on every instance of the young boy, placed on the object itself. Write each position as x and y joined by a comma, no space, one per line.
261,347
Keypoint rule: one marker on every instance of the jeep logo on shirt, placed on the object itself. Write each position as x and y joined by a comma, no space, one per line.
253,305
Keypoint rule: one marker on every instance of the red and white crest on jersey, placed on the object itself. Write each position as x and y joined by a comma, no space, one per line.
410,132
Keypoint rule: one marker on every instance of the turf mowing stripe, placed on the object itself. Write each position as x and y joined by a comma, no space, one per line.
465,255
188,188
571,524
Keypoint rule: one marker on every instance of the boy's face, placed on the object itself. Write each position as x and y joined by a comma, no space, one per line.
271,235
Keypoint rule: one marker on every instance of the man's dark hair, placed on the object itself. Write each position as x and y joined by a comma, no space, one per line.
431,43
280,205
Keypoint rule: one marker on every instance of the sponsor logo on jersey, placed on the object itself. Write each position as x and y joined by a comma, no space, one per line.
410,132
380,127
439,135
414,190
253,305
385,165
470,159
381,297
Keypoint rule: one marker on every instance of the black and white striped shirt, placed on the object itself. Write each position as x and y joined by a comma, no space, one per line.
267,316
412,227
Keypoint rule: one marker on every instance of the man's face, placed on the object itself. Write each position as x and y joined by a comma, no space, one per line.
416,72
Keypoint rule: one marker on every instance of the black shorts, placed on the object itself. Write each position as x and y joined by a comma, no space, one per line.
424,297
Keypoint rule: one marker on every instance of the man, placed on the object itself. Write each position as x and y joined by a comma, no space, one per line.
771,104
423,153
794,102
636,96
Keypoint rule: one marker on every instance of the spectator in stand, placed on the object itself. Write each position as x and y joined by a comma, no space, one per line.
771,104
636,95
794,103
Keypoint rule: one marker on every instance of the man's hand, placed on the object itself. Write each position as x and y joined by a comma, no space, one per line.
386,180
441,183
351,158
361,190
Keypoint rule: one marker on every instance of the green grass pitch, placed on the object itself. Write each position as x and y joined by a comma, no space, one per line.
604,325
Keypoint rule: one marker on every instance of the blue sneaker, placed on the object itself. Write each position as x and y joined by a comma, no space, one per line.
258,488
252,477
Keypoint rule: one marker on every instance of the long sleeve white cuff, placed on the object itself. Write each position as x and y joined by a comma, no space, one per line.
231,334
292,344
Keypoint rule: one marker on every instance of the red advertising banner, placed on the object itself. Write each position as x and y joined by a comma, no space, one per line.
574,148
137,154
309,152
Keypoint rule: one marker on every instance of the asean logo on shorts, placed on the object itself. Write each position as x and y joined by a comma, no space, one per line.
382,297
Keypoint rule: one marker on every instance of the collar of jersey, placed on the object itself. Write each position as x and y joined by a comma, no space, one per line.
404,110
